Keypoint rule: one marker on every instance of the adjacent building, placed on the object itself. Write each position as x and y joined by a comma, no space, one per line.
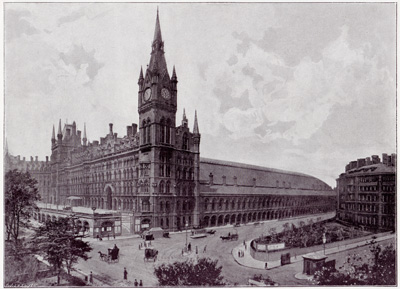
366,193
153,176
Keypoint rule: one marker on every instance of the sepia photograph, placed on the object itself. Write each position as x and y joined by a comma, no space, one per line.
194,144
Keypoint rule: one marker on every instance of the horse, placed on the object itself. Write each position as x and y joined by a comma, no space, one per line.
225,238
103,256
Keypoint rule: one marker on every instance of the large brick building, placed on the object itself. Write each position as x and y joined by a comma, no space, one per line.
366,193
155,175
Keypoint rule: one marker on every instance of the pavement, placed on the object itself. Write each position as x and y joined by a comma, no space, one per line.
247,260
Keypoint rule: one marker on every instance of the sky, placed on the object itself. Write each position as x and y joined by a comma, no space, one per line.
305,87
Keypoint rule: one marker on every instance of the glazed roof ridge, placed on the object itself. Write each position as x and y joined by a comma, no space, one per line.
254,167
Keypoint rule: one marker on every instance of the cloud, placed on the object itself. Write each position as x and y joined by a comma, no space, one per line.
81,59
71,17
17,25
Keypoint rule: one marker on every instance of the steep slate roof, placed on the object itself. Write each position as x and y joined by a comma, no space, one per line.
374,169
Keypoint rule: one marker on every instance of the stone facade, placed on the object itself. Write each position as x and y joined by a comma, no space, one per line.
155,177
366,193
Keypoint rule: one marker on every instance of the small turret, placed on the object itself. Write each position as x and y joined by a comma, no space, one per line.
141,79
53,136
196,125
184,119
196,134
59,133
174,79
84,135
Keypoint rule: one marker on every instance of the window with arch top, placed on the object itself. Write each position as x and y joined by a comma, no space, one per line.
185,141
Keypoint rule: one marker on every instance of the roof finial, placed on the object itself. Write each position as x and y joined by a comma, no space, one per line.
196,125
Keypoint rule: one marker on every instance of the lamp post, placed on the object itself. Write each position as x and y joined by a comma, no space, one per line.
94,209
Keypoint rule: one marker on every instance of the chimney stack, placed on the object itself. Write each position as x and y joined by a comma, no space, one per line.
134,128
375,159
36,158
129,131
47,159
111,129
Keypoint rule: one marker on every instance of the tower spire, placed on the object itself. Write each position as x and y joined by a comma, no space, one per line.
196,126
157,31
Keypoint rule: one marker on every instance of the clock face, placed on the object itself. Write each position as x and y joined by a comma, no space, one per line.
147,94
165,93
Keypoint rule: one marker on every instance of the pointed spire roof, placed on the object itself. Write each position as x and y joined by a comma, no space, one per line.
173,73
157,59
141,73
157,31
53,135
184,114
59,128
84,131
196,125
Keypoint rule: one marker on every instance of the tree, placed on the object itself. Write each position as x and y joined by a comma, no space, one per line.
378,269
203,272
20,196
59,244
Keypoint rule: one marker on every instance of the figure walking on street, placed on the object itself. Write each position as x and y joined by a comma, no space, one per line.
125,274
136,283
91,277
205,249
140,283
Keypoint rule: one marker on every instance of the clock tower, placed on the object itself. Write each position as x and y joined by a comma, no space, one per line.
157,97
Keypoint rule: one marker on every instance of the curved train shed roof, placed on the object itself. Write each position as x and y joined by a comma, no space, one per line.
219,177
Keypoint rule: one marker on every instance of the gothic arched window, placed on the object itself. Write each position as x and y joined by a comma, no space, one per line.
162,130
167,131
161,188
167,187
148,139
185,141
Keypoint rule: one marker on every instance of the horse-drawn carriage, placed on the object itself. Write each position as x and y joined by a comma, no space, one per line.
230,237
112,256
150,254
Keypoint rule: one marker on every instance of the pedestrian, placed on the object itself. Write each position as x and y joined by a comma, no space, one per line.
140,246
140,283
239,254
244,242
229,234
97,237
245,246
190,247
205,249
182,252
108,236
125,274
136,283
114,235
91,277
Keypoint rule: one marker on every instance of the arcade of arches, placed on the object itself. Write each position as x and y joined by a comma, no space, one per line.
220,211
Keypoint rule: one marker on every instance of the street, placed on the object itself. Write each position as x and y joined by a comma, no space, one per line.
170,250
